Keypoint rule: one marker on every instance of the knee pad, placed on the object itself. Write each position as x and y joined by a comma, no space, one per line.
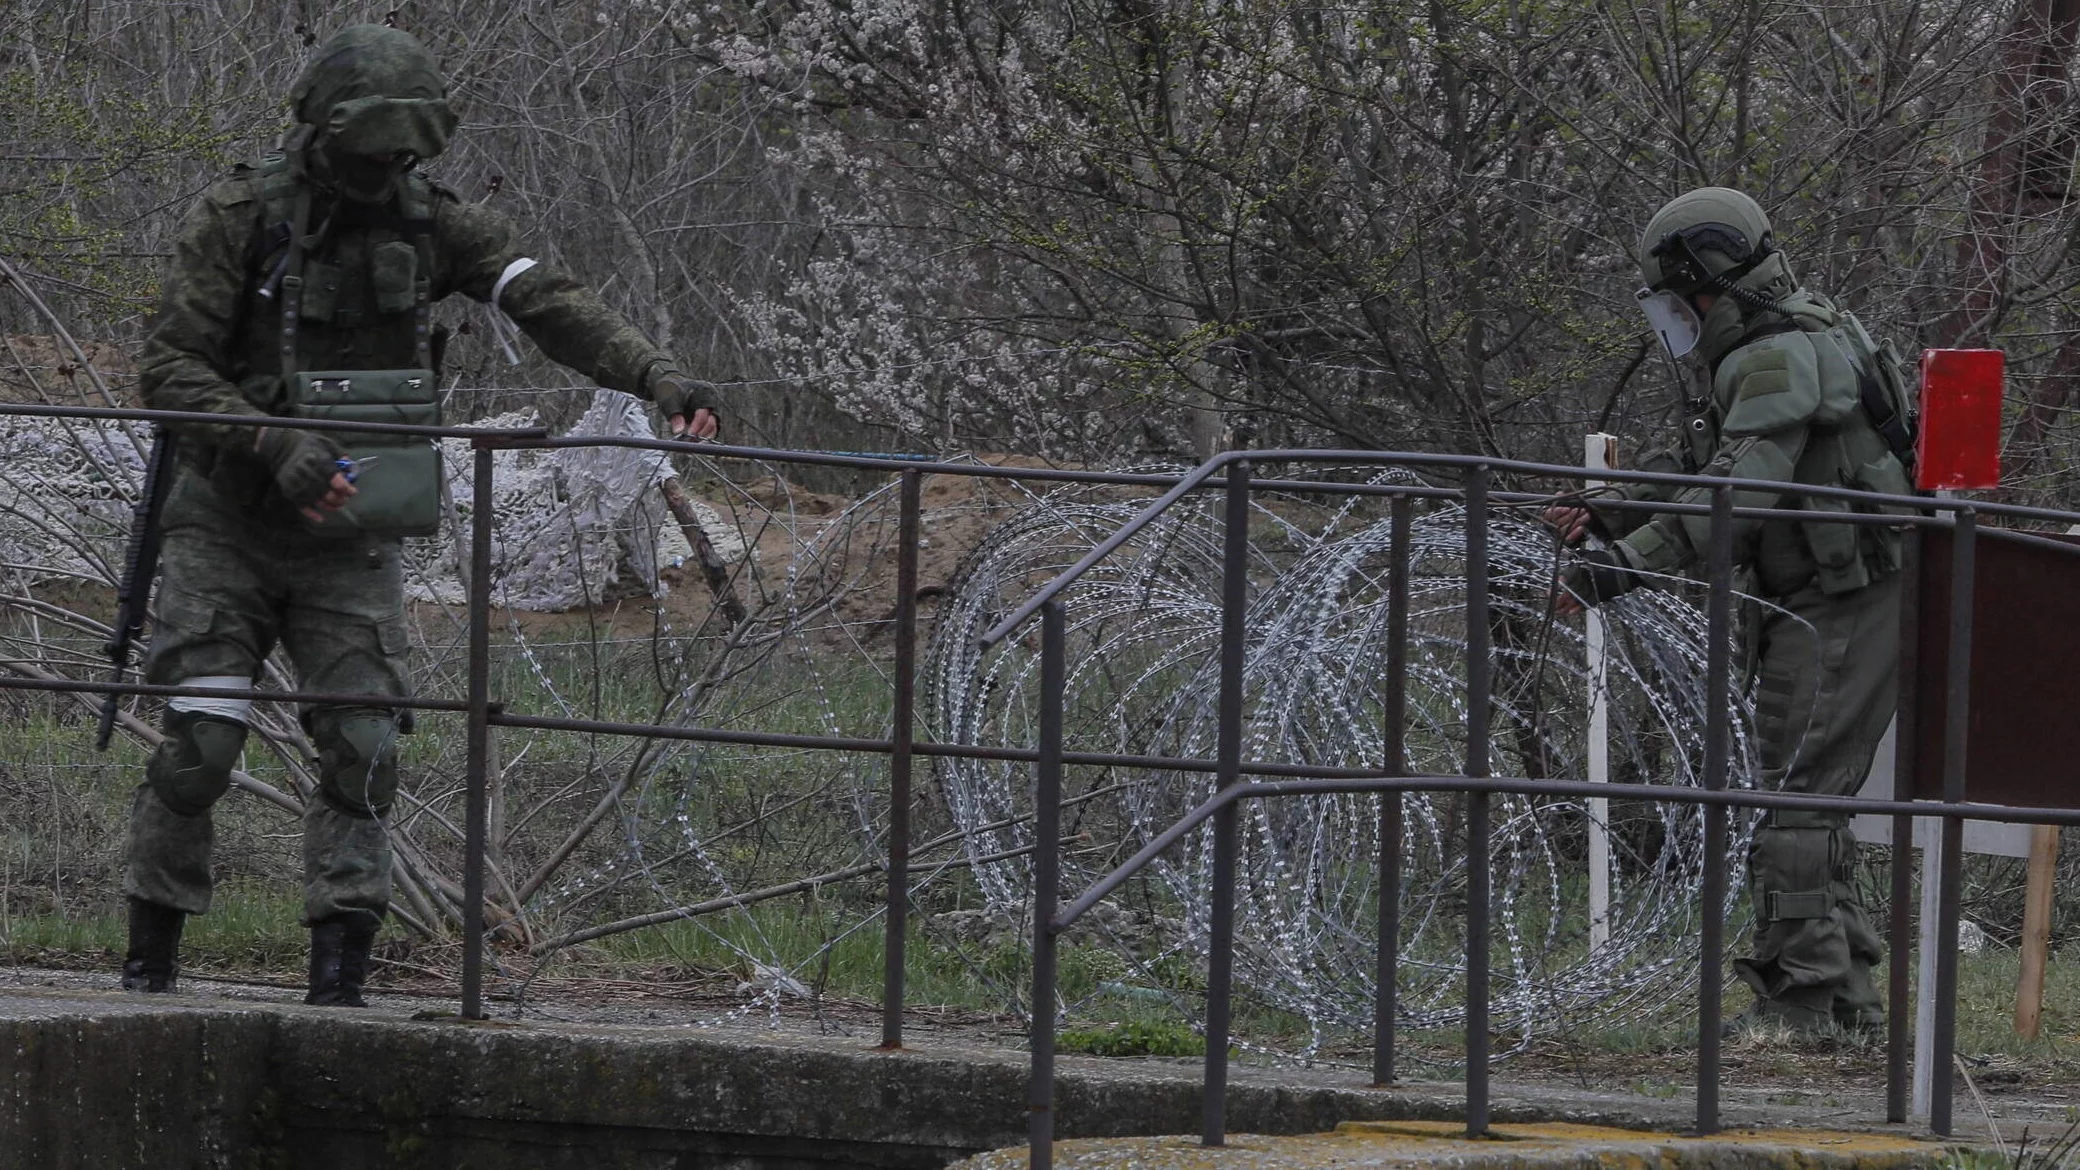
357,759
191,769
1792,870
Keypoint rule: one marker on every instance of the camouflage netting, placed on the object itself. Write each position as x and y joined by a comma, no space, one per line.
575,525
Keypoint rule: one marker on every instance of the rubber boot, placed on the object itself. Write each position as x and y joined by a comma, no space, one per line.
1858,1008
155,939
1805,1011
339,962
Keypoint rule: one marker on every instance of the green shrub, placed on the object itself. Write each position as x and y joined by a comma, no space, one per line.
1134,1038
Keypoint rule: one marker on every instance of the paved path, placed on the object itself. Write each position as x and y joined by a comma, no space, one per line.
1369,1145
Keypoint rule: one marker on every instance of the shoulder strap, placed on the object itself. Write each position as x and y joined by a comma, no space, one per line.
274,181
292,282
1876,374
415,202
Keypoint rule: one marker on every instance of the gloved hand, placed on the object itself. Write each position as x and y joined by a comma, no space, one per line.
688,404
1572,521
306,468
1597,576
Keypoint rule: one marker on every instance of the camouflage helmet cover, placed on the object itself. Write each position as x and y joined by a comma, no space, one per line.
373,90
1715,229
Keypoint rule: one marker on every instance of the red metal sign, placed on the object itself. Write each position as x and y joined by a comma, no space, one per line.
1960,441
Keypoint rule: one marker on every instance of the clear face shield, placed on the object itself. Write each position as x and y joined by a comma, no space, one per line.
1672,318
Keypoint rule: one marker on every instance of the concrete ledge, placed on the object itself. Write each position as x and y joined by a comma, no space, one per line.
111,1080
115,1088
1414,1145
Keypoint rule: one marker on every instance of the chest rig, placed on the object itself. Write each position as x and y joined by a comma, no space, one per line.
374,300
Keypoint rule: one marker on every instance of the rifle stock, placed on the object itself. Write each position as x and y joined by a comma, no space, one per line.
140,565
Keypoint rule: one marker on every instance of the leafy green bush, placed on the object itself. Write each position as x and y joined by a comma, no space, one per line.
1134,1038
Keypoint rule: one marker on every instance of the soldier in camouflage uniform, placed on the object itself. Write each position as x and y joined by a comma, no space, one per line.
321,256
1786,387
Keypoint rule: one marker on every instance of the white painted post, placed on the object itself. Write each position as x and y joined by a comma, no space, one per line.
1599,451
1926,834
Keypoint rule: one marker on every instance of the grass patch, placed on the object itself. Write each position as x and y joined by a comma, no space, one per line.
1134,1038
827,950
251,928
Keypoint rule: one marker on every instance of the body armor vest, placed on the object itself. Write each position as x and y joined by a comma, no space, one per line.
1858,435
337,324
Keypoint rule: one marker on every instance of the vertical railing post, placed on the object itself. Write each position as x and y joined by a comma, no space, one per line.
476,770
1479,684
1394,704
897,919
1220,961
1957,720
1898,993
1717,743
1047,884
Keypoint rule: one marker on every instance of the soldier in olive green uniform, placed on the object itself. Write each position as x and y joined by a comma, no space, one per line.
324,257
1787,387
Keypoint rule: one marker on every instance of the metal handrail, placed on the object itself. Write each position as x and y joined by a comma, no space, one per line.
1051,918
1202,476
162,691
1050,757
1178,484
1748,798
284,422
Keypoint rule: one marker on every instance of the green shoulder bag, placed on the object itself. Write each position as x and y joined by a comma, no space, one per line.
397,478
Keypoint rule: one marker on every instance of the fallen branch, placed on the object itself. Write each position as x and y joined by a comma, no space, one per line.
752,897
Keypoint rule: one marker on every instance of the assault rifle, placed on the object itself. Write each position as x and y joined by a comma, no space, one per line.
140,565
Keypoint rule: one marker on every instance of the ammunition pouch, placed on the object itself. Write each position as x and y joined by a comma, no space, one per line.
397,478
1837,556
1800,872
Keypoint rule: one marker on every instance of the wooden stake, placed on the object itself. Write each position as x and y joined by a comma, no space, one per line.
712,565
2036,931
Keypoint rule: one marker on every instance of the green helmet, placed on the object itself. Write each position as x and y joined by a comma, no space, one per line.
1713,239
372,91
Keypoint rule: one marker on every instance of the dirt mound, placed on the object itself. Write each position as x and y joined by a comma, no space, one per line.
845,544
38,367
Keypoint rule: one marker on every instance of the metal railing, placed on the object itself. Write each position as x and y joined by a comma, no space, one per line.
1051,917
1268,779
483,711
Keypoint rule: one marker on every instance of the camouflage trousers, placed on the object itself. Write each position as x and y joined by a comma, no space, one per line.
233,587
1826,681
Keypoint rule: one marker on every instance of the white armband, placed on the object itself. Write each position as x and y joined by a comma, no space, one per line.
236,710
505,278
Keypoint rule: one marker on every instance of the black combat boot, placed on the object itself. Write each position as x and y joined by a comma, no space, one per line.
155,937
339,961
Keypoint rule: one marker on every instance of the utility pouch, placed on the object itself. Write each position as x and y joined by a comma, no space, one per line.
397,478
1837,555
1881,546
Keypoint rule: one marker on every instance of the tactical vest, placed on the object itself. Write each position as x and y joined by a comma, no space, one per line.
1859,435
336,323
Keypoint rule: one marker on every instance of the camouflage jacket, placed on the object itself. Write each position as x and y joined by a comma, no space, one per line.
216,344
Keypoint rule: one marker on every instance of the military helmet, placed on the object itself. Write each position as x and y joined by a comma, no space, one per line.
374,90
1705,240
